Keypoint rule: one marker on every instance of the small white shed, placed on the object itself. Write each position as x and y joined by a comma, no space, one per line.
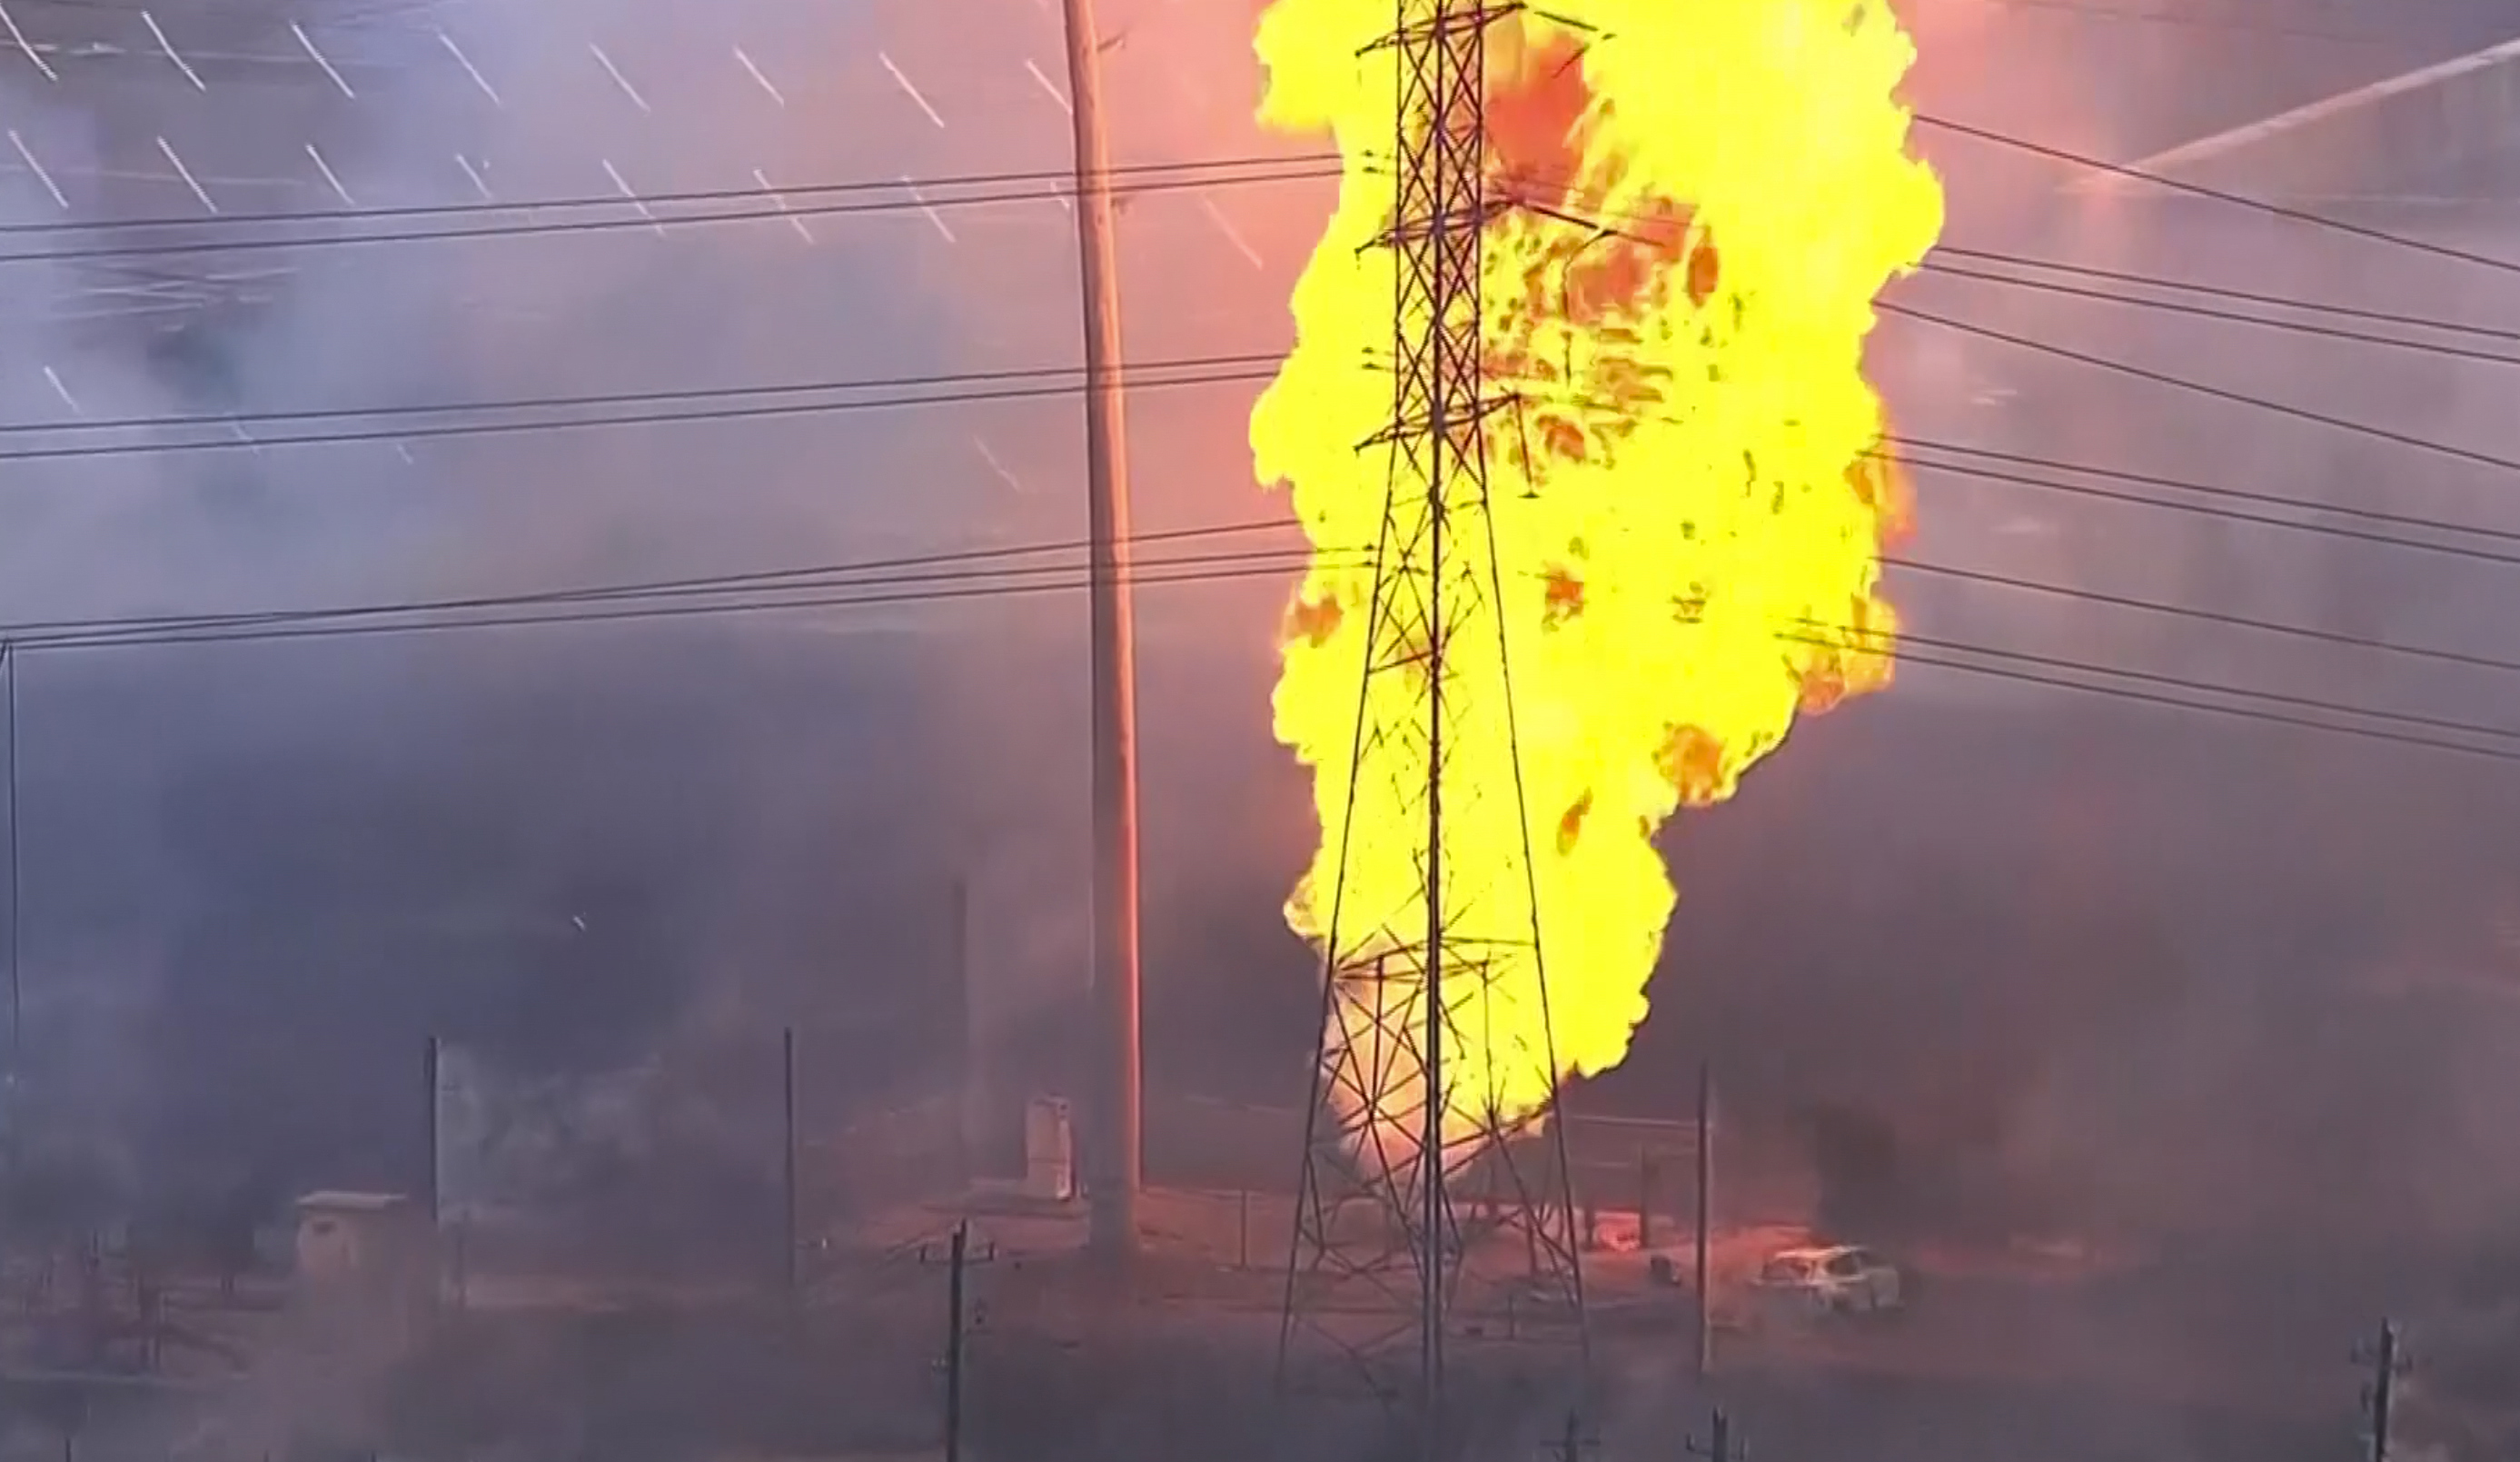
367,1268
354,1237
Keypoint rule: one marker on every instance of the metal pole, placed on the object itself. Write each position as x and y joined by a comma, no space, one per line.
954,1343
1430,1150
1114,1174
15,1113
16,993
1706,1224
1644,1197
429,1195
462,1264
972,1105
2384,1389
788,1225
1718,1440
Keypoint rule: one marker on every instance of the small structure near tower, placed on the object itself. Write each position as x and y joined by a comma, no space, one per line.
365,1264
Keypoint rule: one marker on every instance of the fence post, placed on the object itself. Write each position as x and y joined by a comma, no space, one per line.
432,1090
1705,1275
790,1278
1644,1197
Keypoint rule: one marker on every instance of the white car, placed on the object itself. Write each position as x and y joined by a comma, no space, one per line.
1839,1279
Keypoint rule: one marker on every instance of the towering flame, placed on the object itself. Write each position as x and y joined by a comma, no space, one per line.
1689,502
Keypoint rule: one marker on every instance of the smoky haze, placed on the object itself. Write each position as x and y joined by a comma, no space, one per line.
2087,962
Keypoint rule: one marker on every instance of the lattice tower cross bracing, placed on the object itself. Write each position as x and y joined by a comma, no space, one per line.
1412,1186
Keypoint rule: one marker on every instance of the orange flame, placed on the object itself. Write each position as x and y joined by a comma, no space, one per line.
1689,510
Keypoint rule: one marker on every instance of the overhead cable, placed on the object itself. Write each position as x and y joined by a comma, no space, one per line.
2261,205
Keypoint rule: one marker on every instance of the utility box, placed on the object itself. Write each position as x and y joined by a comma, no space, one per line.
1050,1150
367,1260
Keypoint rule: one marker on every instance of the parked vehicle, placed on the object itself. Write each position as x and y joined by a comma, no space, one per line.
1838,1279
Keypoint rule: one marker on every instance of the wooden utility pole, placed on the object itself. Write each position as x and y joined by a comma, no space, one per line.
1705,1258
1114,1150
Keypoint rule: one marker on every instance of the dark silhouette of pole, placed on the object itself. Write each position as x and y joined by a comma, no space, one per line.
17,990
1704,1255
790,1245
1572,1442
959,1260
965,1041
959,1263
1115,1148
431,1195
2388,1361
1644,1197
14,1089
1719,1445
954,1345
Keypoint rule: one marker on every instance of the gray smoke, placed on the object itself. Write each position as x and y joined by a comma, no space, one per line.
2085,963
256,875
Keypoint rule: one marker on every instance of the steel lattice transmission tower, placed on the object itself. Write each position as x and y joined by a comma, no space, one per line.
1415,1216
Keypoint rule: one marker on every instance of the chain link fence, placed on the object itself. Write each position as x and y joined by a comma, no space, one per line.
721,1166
1635,1180
757,1159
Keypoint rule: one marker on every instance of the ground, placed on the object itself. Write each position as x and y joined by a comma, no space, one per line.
2054,1356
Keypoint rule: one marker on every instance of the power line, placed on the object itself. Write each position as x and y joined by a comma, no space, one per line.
2286,628
658,397
745,402
2195,20
2229,316
1287,560
1055,182
1138,380
1932,264
1210,364
994,583
2203,489
910,194
236,423
2223,292
1041,381
915,198
2210,490
2235,199
2179,683
614,604
927,590
2137,696
909,570
2204,389
800,576
810,576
